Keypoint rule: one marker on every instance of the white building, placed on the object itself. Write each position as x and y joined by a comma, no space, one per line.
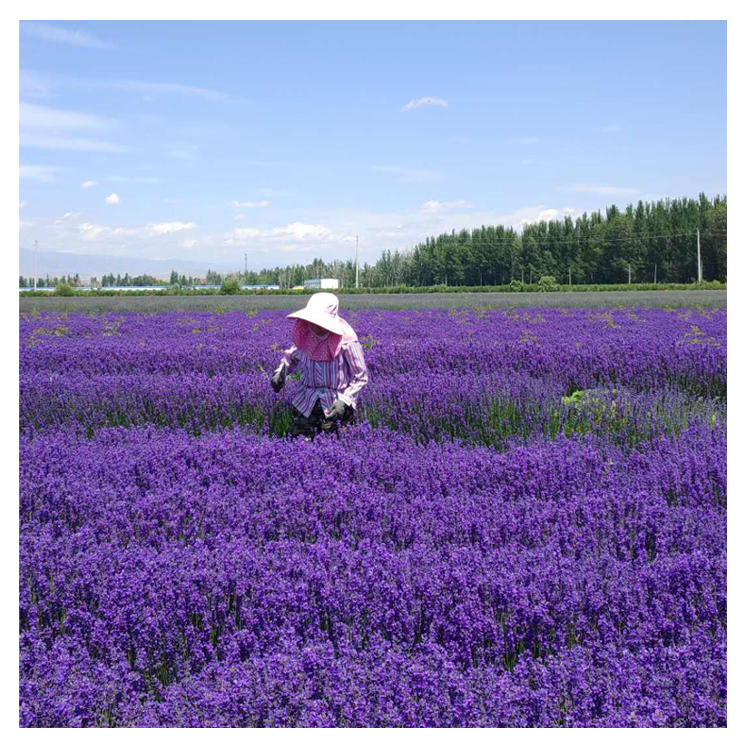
321,283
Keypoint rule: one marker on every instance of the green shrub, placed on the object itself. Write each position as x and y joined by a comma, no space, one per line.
516,285
64,290
548,284
231,286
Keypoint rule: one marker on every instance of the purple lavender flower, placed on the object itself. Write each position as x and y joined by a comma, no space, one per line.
542,545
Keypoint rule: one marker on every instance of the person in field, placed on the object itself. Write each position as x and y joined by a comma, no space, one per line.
331,364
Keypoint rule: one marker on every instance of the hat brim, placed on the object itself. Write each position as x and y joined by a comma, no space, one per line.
324,321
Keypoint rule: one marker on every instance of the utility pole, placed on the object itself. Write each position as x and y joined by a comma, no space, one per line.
36,254
628,272
356,263
654,273
570,277
700,268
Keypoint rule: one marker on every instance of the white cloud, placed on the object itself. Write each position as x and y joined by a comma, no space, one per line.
425,101
188,244
153,89
48,128
245,233
25,224
250,204
615,127
296,231
91,231
112,199
50,33
301,231
57,143
66,217
22,205
89,183
406,174
37,85
435,206
589,187
37,117
37,172
170,227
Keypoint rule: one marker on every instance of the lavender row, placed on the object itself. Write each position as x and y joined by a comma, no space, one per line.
235,579
492,409
644,349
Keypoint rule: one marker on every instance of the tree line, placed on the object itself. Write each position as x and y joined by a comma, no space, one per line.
650,242
109,280
70,280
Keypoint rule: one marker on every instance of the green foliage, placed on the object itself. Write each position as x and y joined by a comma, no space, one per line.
231,285
548,284
516,286
128,280
64,290
574,397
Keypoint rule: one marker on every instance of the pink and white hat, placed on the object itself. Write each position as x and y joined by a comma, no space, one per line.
322,309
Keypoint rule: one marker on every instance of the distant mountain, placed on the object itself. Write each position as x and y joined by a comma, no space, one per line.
63,264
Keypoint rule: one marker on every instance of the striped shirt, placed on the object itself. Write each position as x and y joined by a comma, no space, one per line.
328,380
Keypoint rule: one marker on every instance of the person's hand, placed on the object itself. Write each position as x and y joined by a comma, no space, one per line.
337,411
277,381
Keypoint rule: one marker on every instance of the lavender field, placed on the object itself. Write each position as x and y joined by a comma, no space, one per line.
526,527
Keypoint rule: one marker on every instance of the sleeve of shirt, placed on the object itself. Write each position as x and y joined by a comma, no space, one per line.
288,361
354,356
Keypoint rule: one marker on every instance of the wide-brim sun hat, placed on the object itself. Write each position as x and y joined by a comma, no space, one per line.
322,309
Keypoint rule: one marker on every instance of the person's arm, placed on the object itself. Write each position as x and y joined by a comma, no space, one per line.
354,356
287,364
288,361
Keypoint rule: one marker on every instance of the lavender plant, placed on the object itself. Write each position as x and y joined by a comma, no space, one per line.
526,528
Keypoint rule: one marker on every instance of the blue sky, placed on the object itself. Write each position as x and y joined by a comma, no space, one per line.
206,140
